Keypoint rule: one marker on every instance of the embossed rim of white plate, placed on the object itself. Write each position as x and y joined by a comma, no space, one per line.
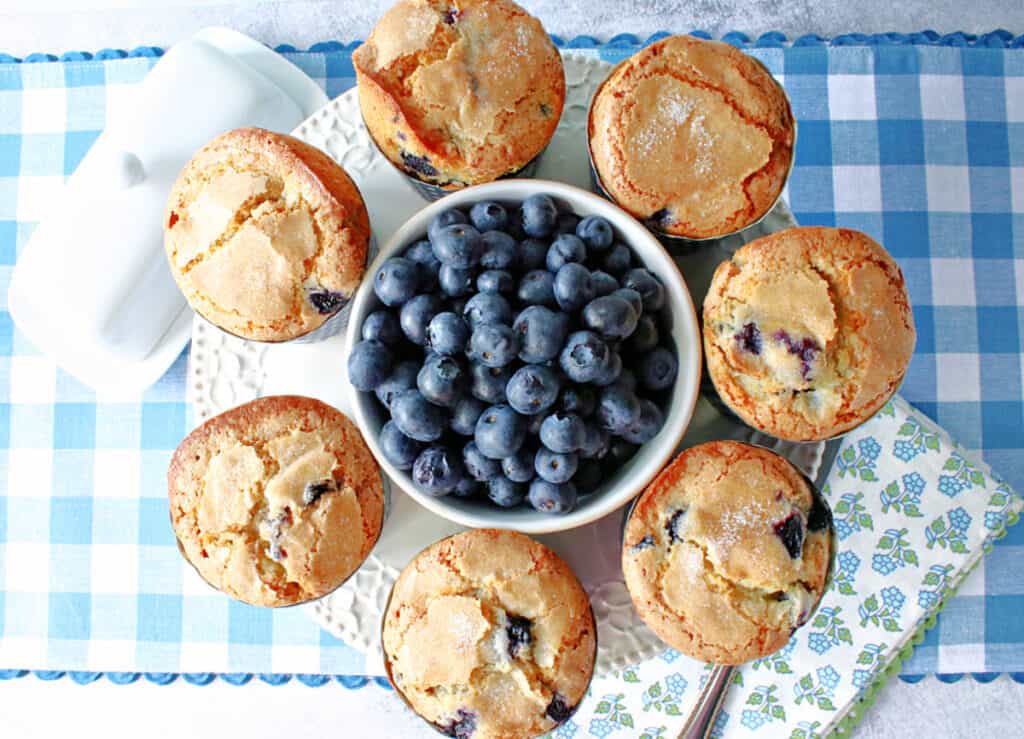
649,459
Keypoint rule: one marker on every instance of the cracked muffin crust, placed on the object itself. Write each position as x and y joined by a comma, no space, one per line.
727,552
808,331
459,92
692,136
277,501
266,236
488,634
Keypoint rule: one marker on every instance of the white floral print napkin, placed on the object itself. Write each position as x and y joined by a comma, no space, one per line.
913,515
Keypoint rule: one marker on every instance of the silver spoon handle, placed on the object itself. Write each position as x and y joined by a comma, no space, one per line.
705,710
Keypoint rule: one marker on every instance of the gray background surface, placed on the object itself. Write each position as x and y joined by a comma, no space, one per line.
928,708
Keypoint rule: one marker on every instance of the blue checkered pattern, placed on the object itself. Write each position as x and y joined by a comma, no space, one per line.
921,147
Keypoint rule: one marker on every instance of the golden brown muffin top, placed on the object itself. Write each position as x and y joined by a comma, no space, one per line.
692,135
490,628
277,501
473,88
266,235
725,553
808,331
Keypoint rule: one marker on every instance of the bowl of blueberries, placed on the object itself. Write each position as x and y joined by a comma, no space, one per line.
524,355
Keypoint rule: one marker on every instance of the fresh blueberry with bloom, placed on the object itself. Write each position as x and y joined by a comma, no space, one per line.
467,488
596,233
456,282
447,334
445,218
649,287
539,216
532,389
427,263
595,442
610,372
584,356
549,497
488,383
498,250
436,472
617,261
647,425
553,466
644,337
533,254
632,297
537,287
579,399
382,325
398,449
417,314
487,308
564,249
658,369
396,281
572,287
506,493
562,432
488,215
496,281
465,414
458,245
479,466
402,377
541,332
369,364
520,466
417,417
493,344
603,283
617,409
500,432
610,316
441,380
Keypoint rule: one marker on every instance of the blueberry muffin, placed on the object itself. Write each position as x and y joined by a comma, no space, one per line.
808,331
266,235
459,92
489,634
277,501
693,136
727,552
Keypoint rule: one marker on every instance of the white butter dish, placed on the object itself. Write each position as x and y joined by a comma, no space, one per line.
92,288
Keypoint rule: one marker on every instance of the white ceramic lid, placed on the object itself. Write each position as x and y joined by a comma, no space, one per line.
92,287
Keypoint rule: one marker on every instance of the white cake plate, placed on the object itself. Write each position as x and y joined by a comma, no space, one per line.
225,371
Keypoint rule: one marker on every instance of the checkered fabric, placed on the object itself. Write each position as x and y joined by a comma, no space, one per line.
920,146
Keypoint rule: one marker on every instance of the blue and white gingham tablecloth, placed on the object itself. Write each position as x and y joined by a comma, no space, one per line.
921,146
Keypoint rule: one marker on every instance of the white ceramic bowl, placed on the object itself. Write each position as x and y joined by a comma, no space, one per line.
650,458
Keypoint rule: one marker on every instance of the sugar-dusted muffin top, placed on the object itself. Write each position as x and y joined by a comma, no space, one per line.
808,331
727,552
489,634
459,92
266,235
277,501
693,136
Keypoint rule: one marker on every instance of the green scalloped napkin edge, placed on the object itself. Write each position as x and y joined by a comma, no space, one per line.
855,712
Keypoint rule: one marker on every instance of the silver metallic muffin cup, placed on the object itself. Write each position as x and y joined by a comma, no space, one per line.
671,241
815,493
431,192
386,488
409,705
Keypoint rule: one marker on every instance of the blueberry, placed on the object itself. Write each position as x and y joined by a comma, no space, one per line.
398,449
596,233
465,415
647,425
500,432
532,254
610,371
396,281
402,377
436,472
515,225
493,344
369,364
499,250
496,281
674,525
458,245
455,282
572,287
566,223
611,316
488,383
562,432
791,531
326,302
589,476
548,497
532,389
505,492
584,356
644,336
417,417
428,265
555,467
463,725
603,283
749,338
441,380
595,442
539,216
649,287
446,218
519,467
578,399
537,287
620,451
627,380
467,488
518,632
542,333
617,261
382,325
564,249
617,409
658,369
632,297
447,334
558,710
416,315
477,465
488,216
487,308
